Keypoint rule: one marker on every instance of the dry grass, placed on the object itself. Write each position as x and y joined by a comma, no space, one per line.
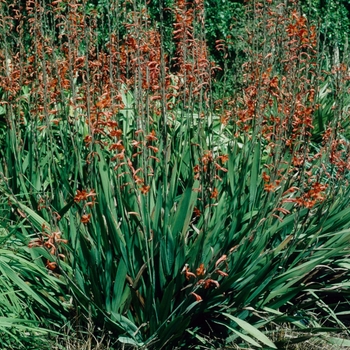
316,343
76,337
88,340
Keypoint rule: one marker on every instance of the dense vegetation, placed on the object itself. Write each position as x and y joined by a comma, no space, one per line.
174,175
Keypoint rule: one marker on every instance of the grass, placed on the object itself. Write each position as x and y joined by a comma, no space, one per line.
88,340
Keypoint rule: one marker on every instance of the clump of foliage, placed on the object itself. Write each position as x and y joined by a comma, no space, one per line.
175,217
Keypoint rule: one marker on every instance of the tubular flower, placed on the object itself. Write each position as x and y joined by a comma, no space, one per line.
198,297
51,265
211,283
85,218
196,212
151,136
84,195
145,189
187,272
223,258
221,273
214,193
201,270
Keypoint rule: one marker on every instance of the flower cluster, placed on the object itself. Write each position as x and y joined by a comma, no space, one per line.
89,199
50,241
205,282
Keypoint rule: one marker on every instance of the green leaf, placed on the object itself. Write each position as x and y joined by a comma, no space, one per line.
166,303
243,336
251,330
119,284
183,213
130,341
337,341
254,176
11,274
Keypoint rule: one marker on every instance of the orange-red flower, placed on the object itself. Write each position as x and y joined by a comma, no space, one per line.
188,274
138,180
211,283
219,261
269,187
221,273
85,218
151,136
196,212
223,158
116,133
198,297
144,189
51,265
38,242
154,149
117,146
219,167
83,195
265,177
214,193
88,139
201,270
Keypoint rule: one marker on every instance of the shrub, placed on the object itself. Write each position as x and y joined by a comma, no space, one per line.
175,218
